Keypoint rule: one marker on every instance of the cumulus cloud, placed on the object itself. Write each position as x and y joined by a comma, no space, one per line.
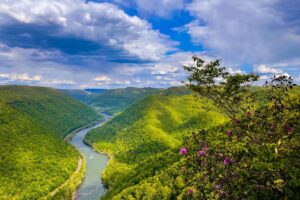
24,78
38,67
247,32
264,69
99,28
20,77
235,71
102,78
78,43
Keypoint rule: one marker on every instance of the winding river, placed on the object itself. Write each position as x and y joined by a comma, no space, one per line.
92,187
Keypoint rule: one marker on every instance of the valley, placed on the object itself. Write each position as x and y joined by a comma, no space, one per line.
149,100
91,187
142,140
34,158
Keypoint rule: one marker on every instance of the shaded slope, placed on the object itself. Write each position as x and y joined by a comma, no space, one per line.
80,95
34,158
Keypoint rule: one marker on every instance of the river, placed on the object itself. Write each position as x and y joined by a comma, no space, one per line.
92,187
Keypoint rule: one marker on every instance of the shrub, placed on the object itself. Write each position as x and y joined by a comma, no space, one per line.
256,155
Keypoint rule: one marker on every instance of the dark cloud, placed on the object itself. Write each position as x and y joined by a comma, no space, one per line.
77,27
80,44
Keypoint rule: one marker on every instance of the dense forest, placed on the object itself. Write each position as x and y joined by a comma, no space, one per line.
143,140
111,101
195,142
34,158
48,107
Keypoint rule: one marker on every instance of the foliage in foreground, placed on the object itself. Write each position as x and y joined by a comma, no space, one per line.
258,155
252,156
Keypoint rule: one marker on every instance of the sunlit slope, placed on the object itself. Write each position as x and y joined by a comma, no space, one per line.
158,121
48,107
160,176
147,130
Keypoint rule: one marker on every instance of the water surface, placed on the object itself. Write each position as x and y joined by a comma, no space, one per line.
92,187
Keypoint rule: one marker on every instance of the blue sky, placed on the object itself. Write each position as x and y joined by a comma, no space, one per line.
143,43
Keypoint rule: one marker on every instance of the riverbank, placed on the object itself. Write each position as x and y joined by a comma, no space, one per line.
69,188
90,125
91,187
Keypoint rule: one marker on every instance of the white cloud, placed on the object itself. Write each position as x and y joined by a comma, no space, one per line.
264,77
245,32
102,78
235,71
162,69
102,23
38,68
35,79
20,77
283,74
297,79
264,69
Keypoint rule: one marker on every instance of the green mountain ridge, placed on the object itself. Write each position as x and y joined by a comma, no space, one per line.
147,130
34,158
112,101
48,107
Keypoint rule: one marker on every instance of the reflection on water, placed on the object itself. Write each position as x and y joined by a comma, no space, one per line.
92,187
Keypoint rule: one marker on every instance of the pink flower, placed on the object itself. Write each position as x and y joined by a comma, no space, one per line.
235,120
205,148
190,192
227,161
183,151
202,153
218,187
229,133
288,128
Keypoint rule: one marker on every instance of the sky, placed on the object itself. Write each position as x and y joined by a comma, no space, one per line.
143,43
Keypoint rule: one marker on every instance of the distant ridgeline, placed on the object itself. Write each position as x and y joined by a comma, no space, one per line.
143,143
34,158
111,101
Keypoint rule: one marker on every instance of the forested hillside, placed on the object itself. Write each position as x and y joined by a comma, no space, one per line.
143,140
48,107
111,101
34,158
80,95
